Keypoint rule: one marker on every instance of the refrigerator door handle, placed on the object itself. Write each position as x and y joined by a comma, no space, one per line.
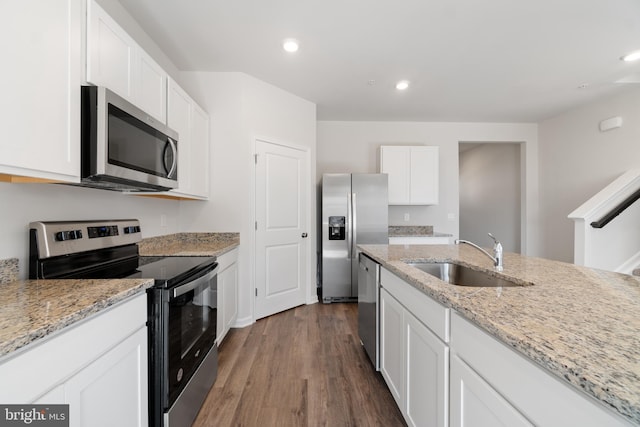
354,238
349,225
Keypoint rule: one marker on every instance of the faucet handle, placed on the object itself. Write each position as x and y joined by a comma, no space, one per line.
495,241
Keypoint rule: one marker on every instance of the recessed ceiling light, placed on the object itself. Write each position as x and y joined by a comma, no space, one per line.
633,56
402,85
290,45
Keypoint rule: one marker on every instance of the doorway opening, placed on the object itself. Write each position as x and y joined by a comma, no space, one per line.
491,193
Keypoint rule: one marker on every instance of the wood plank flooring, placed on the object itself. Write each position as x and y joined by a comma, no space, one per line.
302,367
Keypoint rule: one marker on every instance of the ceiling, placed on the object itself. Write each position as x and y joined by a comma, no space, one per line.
466,60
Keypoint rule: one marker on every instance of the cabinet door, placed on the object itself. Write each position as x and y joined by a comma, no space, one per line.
41,77
179,119
427,361
228,293
110,53
150,86
424,176
199,152
396,162
112,391
192,124
475,403
392,345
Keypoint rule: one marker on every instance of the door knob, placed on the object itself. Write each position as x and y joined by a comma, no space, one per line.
304,235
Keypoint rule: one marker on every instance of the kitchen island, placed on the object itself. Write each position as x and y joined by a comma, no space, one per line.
579,324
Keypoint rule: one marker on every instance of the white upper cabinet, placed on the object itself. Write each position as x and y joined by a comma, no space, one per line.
413,174
40,102
151,86
200,152
116,61
110,53
192,124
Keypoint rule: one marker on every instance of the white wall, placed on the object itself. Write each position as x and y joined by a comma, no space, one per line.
490,196
577,161
24,203
242,108
354,147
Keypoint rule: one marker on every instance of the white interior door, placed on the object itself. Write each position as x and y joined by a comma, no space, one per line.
281,207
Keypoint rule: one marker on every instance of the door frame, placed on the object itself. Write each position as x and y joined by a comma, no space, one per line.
310,243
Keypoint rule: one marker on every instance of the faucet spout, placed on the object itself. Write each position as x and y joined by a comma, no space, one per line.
497,251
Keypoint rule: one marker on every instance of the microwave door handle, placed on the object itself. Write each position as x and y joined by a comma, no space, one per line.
174,164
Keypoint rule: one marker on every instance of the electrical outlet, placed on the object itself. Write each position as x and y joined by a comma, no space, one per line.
407,217
163,220
451,217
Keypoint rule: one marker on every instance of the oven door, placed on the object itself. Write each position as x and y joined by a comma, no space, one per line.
190,323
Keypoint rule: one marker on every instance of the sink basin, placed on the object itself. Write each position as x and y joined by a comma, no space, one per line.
461,275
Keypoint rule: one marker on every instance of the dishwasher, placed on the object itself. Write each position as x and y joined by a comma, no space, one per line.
368,313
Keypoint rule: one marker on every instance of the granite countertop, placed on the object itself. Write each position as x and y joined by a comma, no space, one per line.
581,324
415,231
189,244
33,309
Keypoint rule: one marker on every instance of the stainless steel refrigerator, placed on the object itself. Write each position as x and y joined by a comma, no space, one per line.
355,210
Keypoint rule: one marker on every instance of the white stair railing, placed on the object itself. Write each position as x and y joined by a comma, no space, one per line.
607,226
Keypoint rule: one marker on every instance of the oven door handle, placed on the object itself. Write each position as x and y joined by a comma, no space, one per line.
183,289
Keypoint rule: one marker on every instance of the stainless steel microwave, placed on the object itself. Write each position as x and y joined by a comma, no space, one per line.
123,148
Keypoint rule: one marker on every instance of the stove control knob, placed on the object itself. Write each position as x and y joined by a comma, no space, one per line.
132,229
179,376
60,236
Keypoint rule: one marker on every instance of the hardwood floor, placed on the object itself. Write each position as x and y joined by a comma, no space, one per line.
302,367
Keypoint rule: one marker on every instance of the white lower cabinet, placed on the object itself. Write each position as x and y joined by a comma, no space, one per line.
227,293
443,370
114,386
475,403
391,346
414,362
490,382
98,367
427,364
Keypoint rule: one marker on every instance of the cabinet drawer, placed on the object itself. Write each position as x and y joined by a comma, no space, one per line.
434,315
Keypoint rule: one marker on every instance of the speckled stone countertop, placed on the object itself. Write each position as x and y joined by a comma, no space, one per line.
33,309
580,324
189,244
8,270
414,231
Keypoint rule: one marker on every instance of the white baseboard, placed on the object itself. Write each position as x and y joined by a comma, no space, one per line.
244,322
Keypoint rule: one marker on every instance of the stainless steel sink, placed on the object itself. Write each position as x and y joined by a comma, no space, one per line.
461,275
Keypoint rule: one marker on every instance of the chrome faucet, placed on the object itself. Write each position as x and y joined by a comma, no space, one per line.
497,251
